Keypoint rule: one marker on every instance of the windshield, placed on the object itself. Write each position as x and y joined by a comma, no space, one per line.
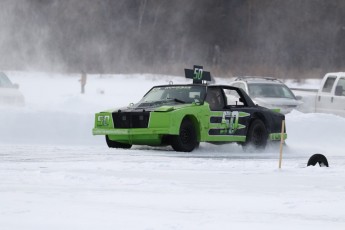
270,90
4,81
177,93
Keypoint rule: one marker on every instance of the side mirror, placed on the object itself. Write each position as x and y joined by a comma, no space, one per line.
15,85
298,98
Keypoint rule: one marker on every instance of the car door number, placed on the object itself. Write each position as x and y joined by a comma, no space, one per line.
227,124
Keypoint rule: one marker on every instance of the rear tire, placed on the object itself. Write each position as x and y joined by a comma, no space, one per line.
115,144
257,136
186,141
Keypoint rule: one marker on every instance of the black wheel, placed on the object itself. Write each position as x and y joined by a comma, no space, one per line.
115,144
186,141
318,158
257,136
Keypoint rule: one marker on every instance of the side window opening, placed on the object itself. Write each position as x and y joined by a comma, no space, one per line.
232,98
215,98
340,88
327,87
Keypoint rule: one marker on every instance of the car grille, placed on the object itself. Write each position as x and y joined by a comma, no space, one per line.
131,119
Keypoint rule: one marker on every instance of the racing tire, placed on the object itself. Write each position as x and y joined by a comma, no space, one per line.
115,144
318,158
257,136
186,141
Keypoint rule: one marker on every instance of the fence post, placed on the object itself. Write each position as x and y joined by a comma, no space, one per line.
281,144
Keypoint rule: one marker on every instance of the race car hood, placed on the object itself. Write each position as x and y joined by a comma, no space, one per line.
152,107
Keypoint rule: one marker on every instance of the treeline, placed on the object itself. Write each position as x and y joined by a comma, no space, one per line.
283,38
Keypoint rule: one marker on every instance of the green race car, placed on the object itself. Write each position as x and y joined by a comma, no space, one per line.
185,115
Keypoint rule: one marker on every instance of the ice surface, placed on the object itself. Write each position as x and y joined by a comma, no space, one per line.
55,175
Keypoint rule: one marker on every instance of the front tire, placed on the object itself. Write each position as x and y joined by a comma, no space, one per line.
115,144
186,141
257,136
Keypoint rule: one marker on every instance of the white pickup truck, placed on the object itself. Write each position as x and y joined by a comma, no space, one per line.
329,98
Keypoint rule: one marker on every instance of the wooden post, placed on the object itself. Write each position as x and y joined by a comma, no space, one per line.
281,144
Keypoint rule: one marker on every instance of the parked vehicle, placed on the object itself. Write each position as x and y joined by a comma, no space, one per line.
9,92
329,98
185,115
268,92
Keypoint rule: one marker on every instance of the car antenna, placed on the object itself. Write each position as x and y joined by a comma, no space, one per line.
198,74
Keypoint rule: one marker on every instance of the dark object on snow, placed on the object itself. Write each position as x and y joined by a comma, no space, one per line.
318,158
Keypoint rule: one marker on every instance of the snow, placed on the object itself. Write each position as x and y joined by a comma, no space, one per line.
55,175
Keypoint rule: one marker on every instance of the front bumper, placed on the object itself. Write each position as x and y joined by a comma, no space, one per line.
148,136
128,132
